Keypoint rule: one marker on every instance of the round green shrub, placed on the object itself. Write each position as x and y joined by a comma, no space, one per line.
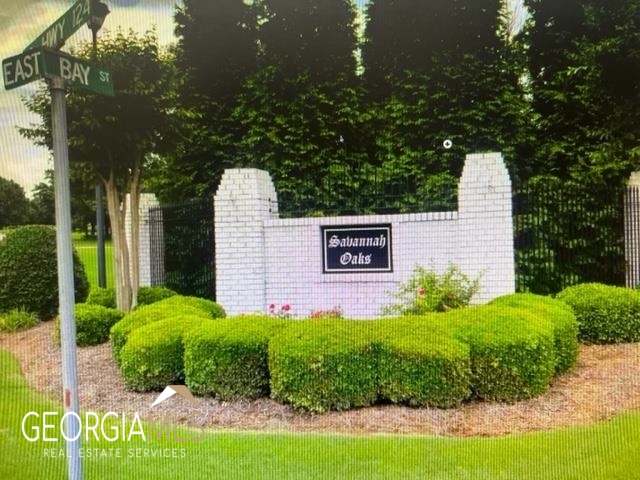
319,366
149,295
167,308
229,358
102,296
153,356
28,271
605,314
93,323
512,355
565,325
423,370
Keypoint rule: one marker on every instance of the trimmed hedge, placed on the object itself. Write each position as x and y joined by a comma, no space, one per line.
321,366
565,325
29,272
229,358
605,314
423,371
153,356
102,296
93,323
512,355
149,295
169,307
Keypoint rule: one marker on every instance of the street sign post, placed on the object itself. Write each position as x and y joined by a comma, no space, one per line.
42,60
77,72
22,69
58,32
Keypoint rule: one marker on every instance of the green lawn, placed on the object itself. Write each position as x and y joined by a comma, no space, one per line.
88,253
606,451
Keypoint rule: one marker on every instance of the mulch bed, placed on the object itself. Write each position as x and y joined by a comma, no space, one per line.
605,382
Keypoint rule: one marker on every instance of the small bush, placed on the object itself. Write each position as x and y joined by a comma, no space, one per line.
424,370
149,295
28,271
565,326
153,356
605,314
105,297
430,291
321,366
93,323
169,307
229,358
17,319
512,355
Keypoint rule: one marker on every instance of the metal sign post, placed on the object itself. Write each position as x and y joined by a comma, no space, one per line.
64,251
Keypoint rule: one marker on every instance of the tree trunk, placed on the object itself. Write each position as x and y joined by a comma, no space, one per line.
117,211
135,235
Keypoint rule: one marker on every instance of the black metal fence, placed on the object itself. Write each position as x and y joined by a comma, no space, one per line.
567,234
183,242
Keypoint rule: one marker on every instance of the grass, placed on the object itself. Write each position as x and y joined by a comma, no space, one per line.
605,451
88,253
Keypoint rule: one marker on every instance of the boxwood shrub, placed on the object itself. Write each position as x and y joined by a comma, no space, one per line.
512,355
423,370
565,325
153,356
229,358
28,272
319,366
169,307
93,323
605,314
149,295
102,296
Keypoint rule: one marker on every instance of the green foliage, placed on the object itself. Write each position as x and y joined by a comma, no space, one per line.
28,271
167,308
229,358
149,295
565,325
429,370
512,352
605,314
321,366
93,323
102,296
153,356
17,319
430,291
14,206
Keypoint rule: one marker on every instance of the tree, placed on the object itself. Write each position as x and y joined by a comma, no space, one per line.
43,209
113,138
14,205
449,71
584,61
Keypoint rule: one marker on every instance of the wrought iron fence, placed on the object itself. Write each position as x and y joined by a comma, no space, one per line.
184,235
567,234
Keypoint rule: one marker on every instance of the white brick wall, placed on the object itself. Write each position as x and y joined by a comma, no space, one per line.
261,259
147,201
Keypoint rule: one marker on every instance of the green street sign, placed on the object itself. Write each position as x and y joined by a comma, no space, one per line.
58,32
77,72
22,69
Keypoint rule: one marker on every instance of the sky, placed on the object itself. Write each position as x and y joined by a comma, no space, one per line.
21,21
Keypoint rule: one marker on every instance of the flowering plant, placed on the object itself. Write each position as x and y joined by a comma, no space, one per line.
283,312
335,312
429,291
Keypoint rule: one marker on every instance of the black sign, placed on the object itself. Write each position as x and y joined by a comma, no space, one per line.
358,248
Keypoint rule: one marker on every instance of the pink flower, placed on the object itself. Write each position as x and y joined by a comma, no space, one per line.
272,307
286,307
421,292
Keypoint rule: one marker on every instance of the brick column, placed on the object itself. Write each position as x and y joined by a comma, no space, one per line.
244,200
632,230
485,214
